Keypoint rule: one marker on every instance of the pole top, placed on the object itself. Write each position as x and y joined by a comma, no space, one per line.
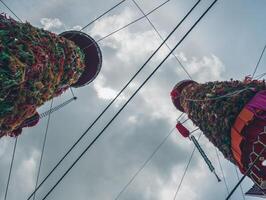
176,93
93,56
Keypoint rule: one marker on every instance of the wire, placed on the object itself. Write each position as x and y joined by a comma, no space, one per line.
11,11
260,76
186,168
134,94
127,25
180,117
71,90
11,167
48,112
43,147
100,16
161,37
258,63
118,4
144,164
121,28
114,99
246,173
241,188
230,94
222,171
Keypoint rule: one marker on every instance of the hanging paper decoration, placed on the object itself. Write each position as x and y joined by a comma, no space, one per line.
182,130
232,115
35,66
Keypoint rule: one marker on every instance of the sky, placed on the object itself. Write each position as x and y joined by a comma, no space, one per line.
226,44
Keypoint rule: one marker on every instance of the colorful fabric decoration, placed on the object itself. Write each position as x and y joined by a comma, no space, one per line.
214,115
35,66
182,130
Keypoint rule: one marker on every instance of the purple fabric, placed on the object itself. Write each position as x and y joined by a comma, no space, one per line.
258,102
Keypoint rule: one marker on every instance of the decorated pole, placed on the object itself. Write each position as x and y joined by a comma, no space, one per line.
232,115
36,66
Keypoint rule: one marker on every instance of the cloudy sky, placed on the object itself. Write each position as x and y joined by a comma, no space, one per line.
226,44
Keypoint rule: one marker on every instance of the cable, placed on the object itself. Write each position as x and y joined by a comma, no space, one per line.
120,110
241,188
161,37
180,117
43,147
230,94
48,112
258,63
114,99
246,173
205,157
125,26
11,167
121,28
222,171
71,90
144,164
260,76
186,168
11,11
102,15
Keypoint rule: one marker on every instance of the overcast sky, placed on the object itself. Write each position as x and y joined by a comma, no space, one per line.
226,44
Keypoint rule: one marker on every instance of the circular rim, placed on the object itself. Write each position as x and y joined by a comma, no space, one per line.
178,88
93,56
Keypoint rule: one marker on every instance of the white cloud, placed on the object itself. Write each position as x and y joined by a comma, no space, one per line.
132,119
25,174
208,68
132,45
124,52
77,28
49,23
3,146
104,92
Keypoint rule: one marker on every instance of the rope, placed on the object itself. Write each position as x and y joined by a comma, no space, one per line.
161,37
186,168
258,63
11,167
241,188
11,11
107,107
43,147
222,171
132,96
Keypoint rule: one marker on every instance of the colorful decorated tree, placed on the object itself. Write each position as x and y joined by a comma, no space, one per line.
36,66
231,114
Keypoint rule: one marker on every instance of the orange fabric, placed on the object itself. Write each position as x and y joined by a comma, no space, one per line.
246,115
239,125
236,139
243,119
